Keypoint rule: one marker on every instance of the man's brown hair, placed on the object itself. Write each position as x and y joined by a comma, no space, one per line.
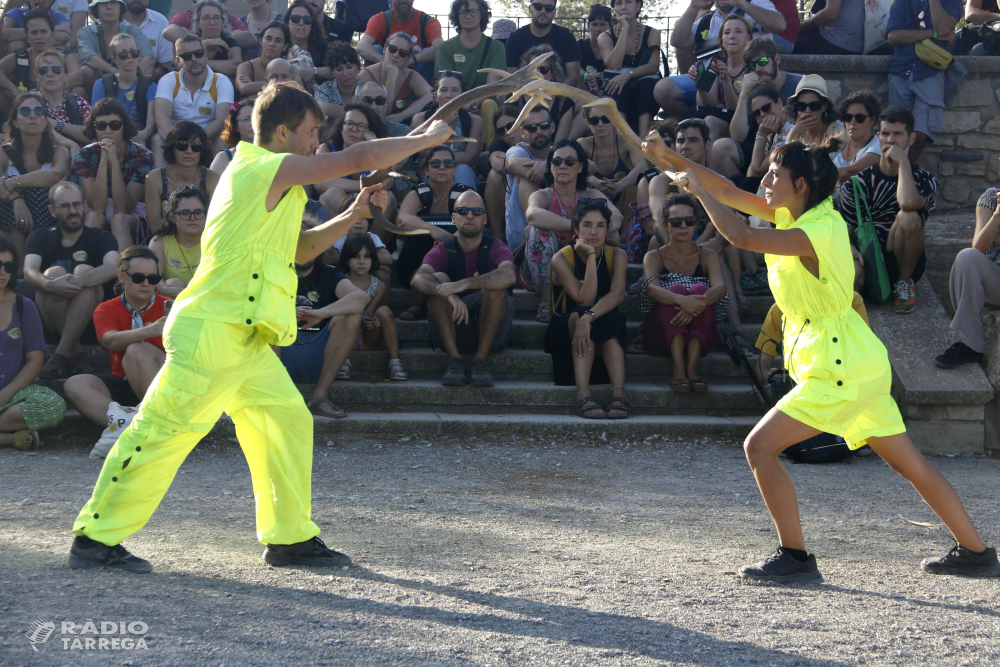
759,46
282,104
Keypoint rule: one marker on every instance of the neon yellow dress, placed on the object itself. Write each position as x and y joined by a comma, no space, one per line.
841,368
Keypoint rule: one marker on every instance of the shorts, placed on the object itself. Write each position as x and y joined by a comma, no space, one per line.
686,84
467,335
892,266
120,390
925,98
303,359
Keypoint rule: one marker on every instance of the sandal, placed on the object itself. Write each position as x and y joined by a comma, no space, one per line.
399,375
741,298
543,315
345,371
636,346
620,405
55,368
699,386
680,385
21,440
416,312
337,414
583,412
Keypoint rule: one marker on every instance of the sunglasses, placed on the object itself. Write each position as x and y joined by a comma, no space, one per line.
859,117
760,62
544,126
465,210
436,164
298,18
544,69
200,53
594,120
196,214
27,111
71,206
403,53
182,146
9,268
586,201
101,125
56,69
570,161
766,109
687,221
354,125
812,106
539,7
139,278
377,101
504,129
122,55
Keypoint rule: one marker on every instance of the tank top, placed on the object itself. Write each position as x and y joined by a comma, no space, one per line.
698,273
563,210
639,57
403,97
179,262
580,271
165,194
621,169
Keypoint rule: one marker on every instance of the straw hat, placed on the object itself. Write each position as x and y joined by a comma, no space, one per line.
812,83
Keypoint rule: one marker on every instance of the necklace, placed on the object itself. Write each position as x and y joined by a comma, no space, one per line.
638,32
562,209
187,262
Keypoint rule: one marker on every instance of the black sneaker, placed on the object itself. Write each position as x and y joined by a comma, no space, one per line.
956,355
965,563
781,568
455,375
87,553
311,552
481,376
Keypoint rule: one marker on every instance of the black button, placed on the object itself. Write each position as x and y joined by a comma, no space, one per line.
834,339
138,449
251,298
807,321
249,322
114,479
838,361
255,276
839,383
97,516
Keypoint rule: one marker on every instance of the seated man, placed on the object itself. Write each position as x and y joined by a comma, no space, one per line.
182,23
15,33
195,93
152,24
899,195
373,94
466,280
17,69
495,158
526,165
975,284
68,265
280,70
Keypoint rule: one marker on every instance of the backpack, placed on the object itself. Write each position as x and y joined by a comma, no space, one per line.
424,20
22,70
111,90
72,109
213,89
456,259
426,196
559,307
358,12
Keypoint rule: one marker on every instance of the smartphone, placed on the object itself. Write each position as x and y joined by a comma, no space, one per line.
166,307
706,77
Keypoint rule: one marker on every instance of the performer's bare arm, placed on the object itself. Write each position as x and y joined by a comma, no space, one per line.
314,242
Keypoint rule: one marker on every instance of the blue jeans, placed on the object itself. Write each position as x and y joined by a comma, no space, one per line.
425,70
784,46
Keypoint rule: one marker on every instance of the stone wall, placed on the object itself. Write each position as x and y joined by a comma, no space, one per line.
966,156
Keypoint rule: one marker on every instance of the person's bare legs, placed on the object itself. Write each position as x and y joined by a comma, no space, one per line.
677,356
645,120
11,421
582,365
669,96
495,191
343,336
123,229
141,362
390,334
492,310
90,396
614,361
439,312
693,357
906,240
69,316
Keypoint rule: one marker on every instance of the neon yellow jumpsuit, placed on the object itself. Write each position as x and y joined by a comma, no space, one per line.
241,298
841,367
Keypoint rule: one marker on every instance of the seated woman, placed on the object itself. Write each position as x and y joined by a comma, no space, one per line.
187,154
260,16
448,85
25,407
343,60
428,206
618,163
549,213
682,282
130,328
561,109
20,72
251,76
717,104
68,113
132,88
211,24
112,171
238,127
859,112
587,331
177,244
308,47
634,50
30,165
403,83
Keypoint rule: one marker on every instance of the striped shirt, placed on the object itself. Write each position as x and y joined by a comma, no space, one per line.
880,192
989,202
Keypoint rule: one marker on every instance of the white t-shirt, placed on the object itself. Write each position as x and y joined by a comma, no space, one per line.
153,26
871,147
70,7
339,245
716,25
199,107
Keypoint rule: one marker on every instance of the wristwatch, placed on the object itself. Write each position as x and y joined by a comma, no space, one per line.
60,124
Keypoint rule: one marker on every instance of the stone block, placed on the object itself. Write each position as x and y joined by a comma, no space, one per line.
991,331
979,141
834,88
945,169
971,169
968,413
992,126
956,190
994,163
961,121
974,95
961,156
946,437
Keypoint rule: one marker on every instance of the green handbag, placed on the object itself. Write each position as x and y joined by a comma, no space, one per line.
877,286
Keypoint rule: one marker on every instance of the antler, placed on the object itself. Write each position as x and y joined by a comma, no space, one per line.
610,109
377,215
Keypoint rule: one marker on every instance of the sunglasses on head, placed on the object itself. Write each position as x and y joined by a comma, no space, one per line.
570,161
594,120
859,117
760,62
403,53
27,111
687,221
504,129
122,55
539,7
377,101
101,125
812,106
200,53
298,18
766,109
10,268
465,210
44,69
354,125
544,69
139,278
182,146
196,214
436,164
585,201
534,127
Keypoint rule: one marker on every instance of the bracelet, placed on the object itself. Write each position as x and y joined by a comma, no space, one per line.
14,199
935,34
591,313
762,136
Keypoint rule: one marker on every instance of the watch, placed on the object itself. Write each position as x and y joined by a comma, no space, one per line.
60,124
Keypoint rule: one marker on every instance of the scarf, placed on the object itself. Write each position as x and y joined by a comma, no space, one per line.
137,322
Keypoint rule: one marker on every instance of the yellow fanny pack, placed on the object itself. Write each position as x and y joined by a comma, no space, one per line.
932,54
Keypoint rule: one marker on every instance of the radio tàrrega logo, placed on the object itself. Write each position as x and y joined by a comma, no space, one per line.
90,635
39,632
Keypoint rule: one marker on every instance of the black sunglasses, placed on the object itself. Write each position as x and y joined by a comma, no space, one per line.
586,201
200,53
44,69
377,101
812,106
465,210
534,127
687,221
504,129
27,111
570,161
10,268
539,7
544,69
760,62
101,125
859,117
436,164
594,120
182,146
766,109
122,55
298,18
139,278
403,53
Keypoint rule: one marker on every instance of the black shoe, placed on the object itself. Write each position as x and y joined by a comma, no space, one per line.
311,552
455,375
87,553
965,563
481,376
782,568
958,354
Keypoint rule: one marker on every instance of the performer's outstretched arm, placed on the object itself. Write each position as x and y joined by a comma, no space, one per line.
313,242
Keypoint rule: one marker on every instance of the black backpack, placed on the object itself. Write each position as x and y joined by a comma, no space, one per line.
426,196
358,12
111,90
456,259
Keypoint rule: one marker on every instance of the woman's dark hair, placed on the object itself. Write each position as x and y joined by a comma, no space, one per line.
186,130
764,89
684,199
353,245
581,178
829,113
554,61
109,106
342,54
429,153
36,15
130,253
485,13
582,210
375,124
667,129
231,130
7,246
638,2
867,97
284,31
447,74
46,148
169,225
898,114
317,40
811,163
600,13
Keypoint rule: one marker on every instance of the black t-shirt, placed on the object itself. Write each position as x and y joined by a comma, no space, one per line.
559,38
498,145
319,288
587,57
337,30
89,249
222,54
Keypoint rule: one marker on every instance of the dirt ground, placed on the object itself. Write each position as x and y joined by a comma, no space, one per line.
500,552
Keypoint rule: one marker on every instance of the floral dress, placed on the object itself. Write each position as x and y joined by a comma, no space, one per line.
541,244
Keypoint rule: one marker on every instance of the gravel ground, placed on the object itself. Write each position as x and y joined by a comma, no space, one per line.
502,552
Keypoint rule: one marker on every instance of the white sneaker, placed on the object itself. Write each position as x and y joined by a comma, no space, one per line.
119,417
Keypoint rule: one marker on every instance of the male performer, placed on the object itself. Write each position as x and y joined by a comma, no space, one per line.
217,337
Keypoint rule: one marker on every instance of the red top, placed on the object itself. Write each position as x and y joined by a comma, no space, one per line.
114,316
